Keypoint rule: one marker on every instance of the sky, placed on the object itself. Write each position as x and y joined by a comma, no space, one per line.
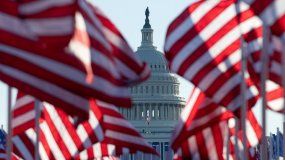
128,16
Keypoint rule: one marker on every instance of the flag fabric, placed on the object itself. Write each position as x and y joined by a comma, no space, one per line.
253,136
272,13
39,69
203,45
59,139
120,132
199,113
206,144
102,151
211,142
52,22
57,74
23,116
4,156
131,69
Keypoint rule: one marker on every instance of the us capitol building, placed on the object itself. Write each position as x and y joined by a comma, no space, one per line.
156,102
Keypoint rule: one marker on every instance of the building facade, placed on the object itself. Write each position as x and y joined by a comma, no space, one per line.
156,102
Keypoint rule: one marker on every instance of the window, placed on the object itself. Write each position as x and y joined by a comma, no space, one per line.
157,89
162,89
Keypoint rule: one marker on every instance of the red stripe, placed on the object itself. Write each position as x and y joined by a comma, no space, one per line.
198,27
56,135
41,95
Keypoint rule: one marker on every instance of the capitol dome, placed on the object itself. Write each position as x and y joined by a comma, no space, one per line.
156,102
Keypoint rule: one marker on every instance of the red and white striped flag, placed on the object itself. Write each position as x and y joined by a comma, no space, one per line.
253,135
203,45
57,133
59,139
211,142
28,64
199,113
23,113
208,143
54,75
272,13
4,156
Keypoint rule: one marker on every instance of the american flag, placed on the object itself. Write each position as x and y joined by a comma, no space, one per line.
202,122
199,113
59,139
206,144
56,74
23,113
203,45
211,142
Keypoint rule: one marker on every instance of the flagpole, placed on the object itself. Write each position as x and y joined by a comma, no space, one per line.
9,136
37,128
243,97
283,86
236,138
228,145
264,72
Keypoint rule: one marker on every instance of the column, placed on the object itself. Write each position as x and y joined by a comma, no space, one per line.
162,107
156,111
138,112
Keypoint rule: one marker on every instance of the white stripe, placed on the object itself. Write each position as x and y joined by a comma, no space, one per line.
210,144
95,21
53,66
220,46
97,35
95,125
23,118
192,143
97,150
251,92
185,113
107,105
206,119
126,71
111,149
15,26
273,12
22,147
101,60
116,121
51,26
193,18
250,134
126,137
221,68
276,104
203,36
46,87
84,137
22,101
70,73
51,142
61,129
32,136
39,6
83,155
